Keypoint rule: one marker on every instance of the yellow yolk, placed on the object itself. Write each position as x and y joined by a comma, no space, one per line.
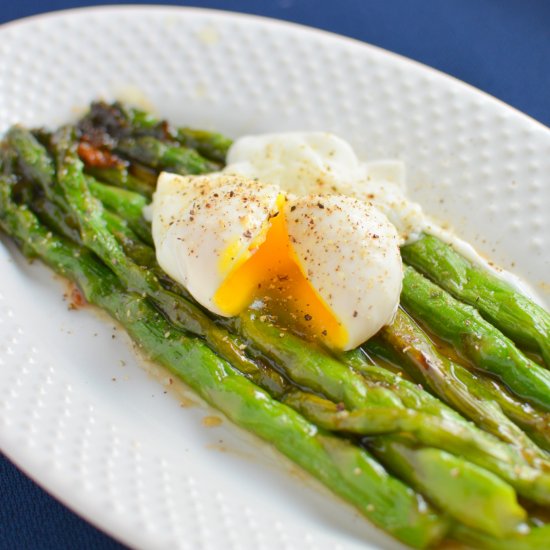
273,275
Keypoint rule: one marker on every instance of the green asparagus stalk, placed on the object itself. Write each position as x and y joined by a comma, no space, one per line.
164,156
452,383
429,429
534,422
212,145
105,124
35,166
315,369
535,538
449,481
412,396
121,177
474,338
518,317
349,471
127,204
120,121
33,162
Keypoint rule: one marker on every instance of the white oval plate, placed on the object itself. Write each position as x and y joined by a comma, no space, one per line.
77,411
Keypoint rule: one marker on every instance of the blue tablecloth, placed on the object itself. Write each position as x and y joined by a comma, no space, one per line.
499,46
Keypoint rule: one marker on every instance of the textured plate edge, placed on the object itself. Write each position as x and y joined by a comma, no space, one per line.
243,16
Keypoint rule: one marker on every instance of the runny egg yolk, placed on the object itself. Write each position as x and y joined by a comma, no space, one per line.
272,274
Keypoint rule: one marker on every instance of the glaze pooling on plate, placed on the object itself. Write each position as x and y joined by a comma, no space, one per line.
122,453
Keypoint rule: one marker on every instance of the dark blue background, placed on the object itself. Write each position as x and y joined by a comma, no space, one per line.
499,46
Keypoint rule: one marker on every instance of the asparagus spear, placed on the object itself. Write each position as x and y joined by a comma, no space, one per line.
144,139
533,422
35,165
454,384
119,121
315,370
428,429
474,338
164,156
514,314
348,470
449,481
212,145
536,538
321,373
121,177
412,396
33,162
127,204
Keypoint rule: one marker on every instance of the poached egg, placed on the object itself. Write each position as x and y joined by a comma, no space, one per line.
326,266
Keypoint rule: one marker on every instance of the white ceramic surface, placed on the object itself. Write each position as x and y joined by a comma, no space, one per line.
78,412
